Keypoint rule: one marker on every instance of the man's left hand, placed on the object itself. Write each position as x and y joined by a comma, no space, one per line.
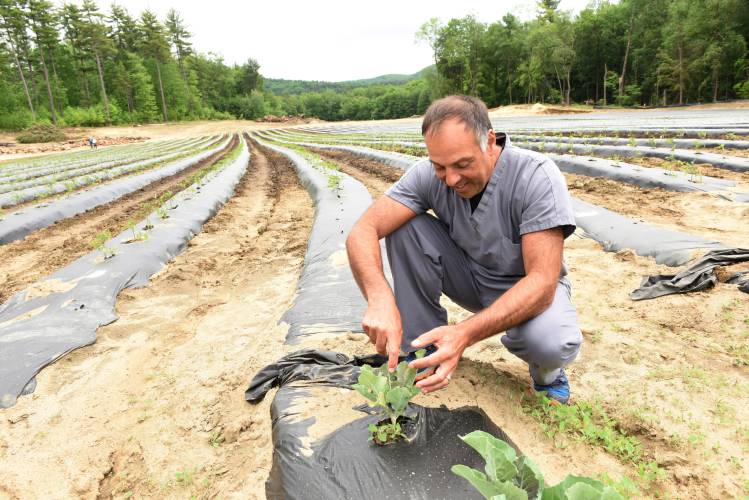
450,341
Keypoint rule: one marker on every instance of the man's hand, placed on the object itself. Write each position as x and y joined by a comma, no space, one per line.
450,341
382,323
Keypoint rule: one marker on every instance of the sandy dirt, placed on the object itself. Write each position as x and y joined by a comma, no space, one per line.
155,408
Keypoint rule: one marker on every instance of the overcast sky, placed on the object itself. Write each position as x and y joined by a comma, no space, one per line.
325,40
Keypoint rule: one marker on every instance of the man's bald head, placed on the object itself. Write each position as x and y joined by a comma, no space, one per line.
472,112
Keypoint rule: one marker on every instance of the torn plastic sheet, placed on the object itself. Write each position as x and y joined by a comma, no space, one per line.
18,225
700,276
343,464
328,299
616,232
57,315
23,195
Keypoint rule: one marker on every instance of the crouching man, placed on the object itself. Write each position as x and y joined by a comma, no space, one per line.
494,246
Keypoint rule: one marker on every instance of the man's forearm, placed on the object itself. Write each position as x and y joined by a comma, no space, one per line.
528,298
365,259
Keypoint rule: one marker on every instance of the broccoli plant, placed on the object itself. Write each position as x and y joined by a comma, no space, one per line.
100,243
509,477
391,392
137,235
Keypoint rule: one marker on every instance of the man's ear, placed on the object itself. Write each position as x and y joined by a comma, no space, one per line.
491,139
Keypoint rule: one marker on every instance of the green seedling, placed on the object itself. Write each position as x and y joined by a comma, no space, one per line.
632,142
390,391
99,243
693,171
137,235
507,476
334,182
161,213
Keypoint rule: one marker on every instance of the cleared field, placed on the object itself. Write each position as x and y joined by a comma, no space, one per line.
247,266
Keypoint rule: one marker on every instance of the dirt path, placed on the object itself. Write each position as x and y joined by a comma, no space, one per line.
42,252
156,405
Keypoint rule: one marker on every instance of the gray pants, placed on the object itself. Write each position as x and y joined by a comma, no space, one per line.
425,262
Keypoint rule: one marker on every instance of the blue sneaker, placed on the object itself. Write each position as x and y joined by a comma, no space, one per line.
411,356
559,390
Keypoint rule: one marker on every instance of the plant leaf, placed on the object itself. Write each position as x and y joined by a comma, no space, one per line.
490,489
398,399
559,491
499,456
582,491
365,391
529,475
477,479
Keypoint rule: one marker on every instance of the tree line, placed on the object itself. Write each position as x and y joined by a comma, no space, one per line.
77,65
634,52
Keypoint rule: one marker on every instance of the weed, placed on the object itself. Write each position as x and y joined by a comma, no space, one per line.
216,439
185,477
724,413
585,421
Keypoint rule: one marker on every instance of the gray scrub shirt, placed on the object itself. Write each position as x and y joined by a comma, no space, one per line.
526,193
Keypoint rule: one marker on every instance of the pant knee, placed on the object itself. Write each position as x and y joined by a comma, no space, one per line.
551,339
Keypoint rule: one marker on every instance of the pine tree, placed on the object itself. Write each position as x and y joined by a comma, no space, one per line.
179,38
153,44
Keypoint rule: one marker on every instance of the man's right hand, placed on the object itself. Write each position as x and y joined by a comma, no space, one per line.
382,323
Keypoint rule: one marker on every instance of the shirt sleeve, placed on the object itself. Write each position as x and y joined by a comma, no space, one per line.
412,190
547,203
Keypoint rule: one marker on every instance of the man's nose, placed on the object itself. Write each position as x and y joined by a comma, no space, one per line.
452,178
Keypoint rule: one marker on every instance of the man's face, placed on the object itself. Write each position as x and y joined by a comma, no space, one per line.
458,160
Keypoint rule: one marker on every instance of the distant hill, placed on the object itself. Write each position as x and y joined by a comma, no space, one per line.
287,87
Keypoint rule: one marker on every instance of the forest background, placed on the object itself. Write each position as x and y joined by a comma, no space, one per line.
77,65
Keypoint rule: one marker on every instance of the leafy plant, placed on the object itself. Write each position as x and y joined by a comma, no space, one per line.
99,243
334,182
391,392
137,235
509,477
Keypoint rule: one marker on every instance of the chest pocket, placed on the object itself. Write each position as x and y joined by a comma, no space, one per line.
499,255
510,258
